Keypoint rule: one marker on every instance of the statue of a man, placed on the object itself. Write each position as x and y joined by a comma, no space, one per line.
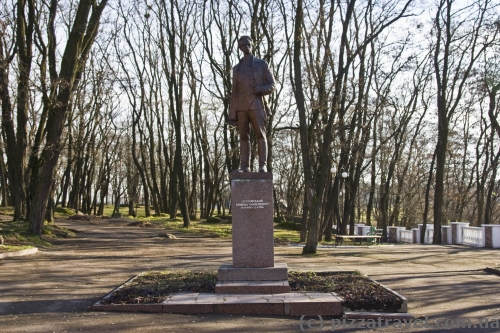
252,79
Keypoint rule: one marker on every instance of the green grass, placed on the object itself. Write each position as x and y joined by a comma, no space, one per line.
9,211
223,229
63,212
286,236
196,227
11,248
17,233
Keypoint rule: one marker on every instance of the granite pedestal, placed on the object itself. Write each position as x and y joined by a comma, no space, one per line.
252,210
253,269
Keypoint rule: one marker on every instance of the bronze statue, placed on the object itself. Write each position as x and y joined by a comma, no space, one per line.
252,79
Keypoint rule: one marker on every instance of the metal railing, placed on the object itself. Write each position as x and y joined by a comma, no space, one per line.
472,236
406,236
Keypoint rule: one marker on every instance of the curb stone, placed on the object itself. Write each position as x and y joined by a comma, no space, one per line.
293,304
19,253
376,315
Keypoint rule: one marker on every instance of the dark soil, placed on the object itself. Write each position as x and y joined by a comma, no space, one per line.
155,287
357,290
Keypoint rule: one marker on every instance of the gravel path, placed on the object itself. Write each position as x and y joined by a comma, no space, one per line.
52,290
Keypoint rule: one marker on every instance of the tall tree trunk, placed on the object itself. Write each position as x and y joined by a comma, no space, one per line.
80,40
16,137
426,200
496,129
311,196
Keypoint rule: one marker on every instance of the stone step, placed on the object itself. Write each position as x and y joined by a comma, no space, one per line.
252,287
291,304
276,273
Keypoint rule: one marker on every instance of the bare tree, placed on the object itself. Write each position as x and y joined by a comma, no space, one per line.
328,113
459,43
63,84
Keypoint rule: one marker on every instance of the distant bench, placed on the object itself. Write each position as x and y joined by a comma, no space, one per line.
340,239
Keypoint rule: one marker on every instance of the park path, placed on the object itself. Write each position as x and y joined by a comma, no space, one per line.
52,290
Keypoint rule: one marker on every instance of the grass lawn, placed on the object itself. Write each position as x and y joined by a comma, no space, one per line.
12,248
17,236
222,229
16,233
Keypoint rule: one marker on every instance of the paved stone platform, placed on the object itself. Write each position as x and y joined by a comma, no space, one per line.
282,304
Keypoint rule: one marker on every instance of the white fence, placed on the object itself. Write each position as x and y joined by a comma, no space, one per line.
406,236
472,236
429,234
488,235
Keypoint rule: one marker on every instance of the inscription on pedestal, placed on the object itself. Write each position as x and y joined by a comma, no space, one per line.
252,210
252,204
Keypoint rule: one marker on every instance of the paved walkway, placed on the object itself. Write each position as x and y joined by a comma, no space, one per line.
52,290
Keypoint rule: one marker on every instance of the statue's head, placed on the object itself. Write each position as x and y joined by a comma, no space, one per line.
245,44
244,40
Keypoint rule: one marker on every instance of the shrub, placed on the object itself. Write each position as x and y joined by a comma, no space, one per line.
213,219
226,218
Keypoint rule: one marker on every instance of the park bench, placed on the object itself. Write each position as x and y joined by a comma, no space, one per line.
355,238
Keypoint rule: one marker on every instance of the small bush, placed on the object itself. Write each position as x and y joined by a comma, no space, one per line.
62,212
226,218
213,219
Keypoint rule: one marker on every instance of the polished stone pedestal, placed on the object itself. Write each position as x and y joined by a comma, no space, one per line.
252,211
253,269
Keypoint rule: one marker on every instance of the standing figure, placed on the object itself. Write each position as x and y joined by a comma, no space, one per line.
252,79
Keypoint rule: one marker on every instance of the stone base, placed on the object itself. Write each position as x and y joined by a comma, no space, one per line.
252,287
229,273
291,304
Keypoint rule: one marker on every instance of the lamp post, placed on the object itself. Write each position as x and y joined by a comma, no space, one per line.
280,209
225,198
338,177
